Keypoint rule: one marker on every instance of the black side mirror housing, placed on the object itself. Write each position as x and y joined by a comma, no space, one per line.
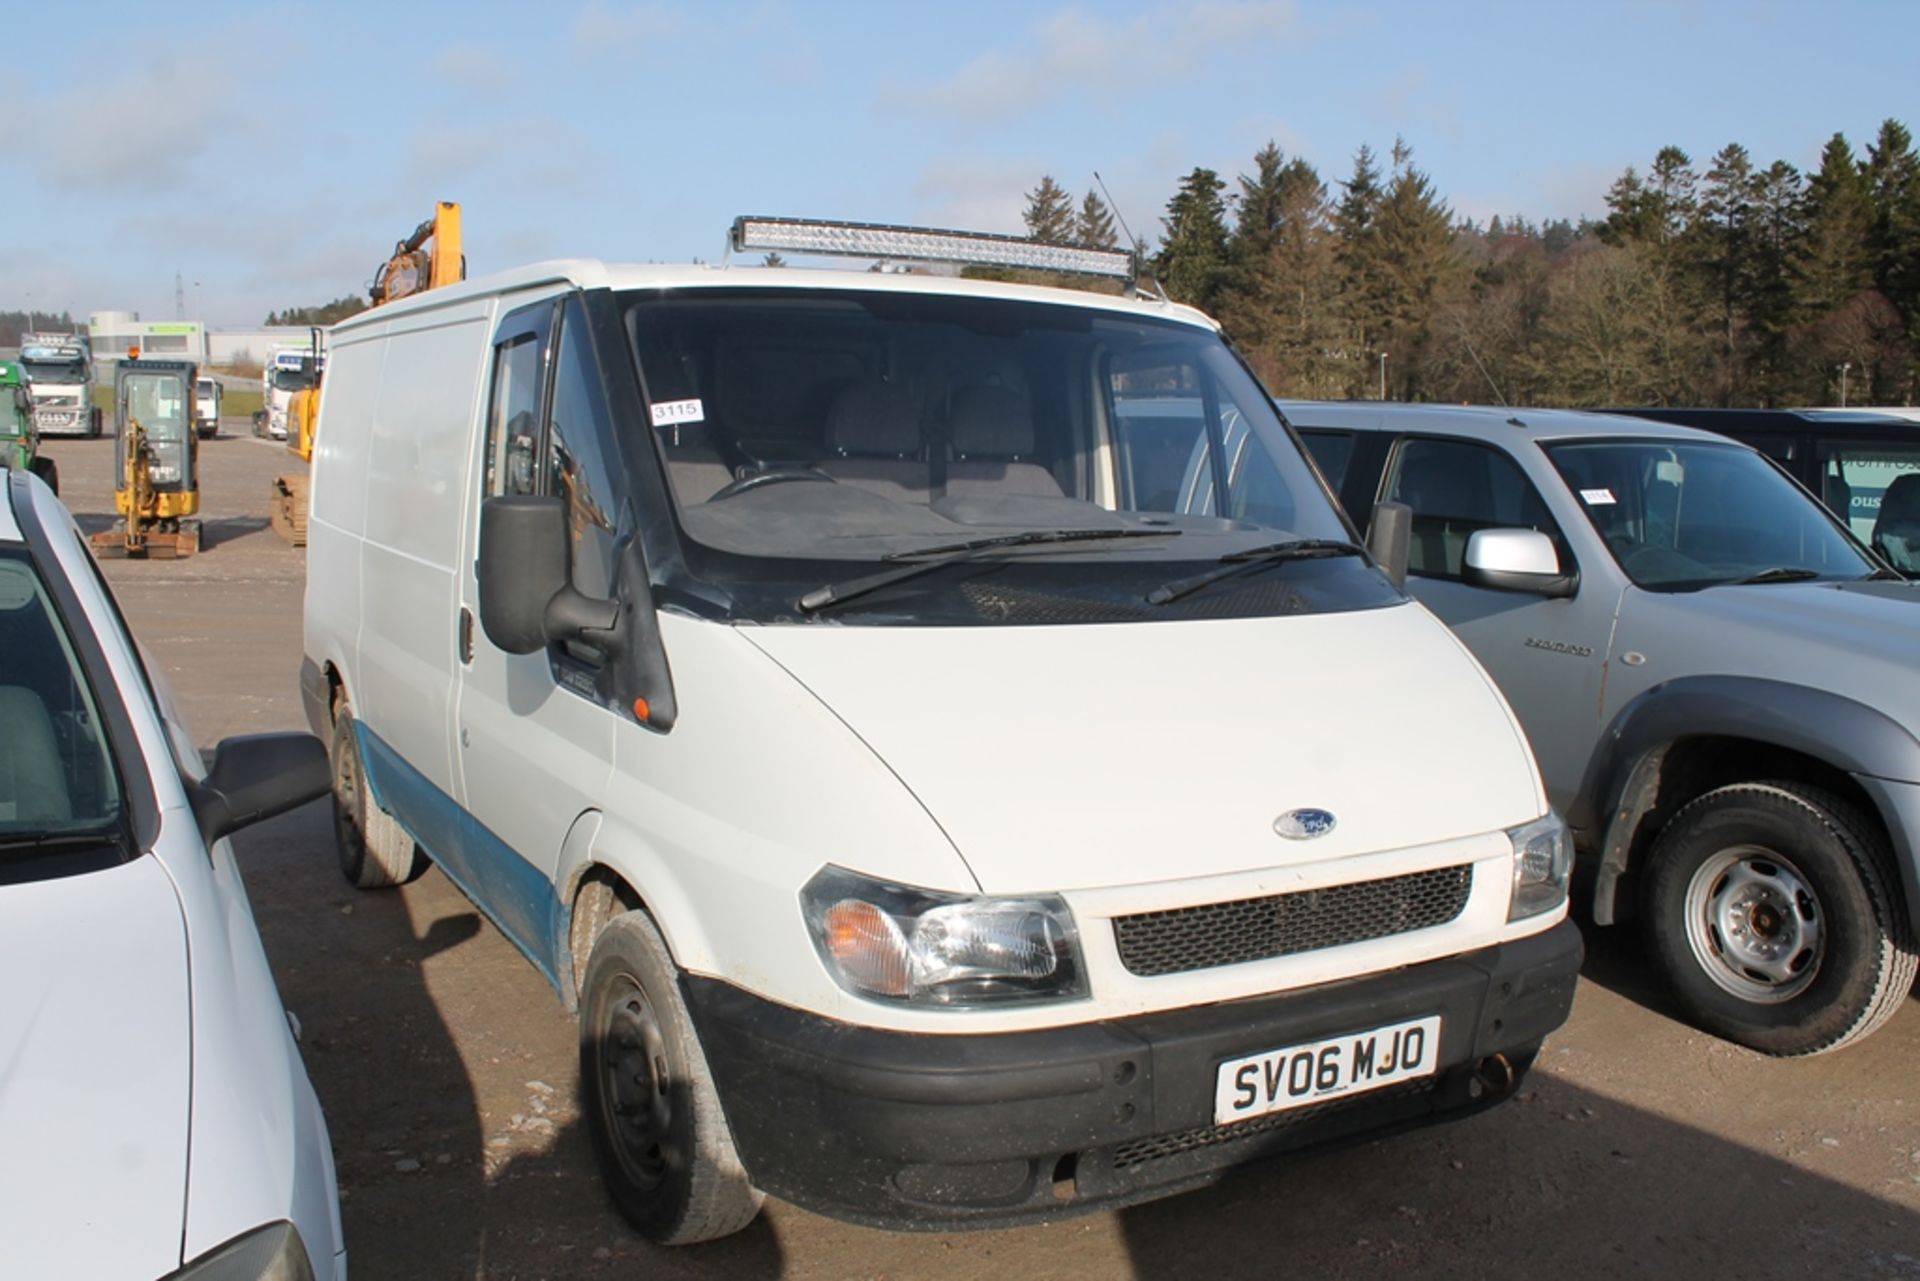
256,776
1390,539
527,596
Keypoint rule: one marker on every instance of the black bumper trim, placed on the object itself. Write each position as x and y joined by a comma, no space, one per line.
313,698
907,1130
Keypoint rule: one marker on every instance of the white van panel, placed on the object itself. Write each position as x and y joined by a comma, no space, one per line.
337,493
416,464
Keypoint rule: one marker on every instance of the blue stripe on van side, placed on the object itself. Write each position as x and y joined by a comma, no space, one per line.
516,896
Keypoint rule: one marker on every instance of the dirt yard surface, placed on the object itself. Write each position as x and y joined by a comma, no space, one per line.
1637,1148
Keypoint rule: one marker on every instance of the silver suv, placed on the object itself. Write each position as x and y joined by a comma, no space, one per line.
1718,679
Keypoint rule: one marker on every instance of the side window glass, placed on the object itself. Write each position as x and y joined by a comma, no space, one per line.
1332,451
513,423
579,465
1875,488
1455,488
1159,418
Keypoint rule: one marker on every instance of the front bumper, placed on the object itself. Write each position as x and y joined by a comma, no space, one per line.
907,1130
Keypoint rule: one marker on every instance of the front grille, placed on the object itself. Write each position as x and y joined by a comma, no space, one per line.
1160,1146
1257,929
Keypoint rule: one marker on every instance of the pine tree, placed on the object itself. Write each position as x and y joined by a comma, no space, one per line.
1419,268
1049,214
1192,263
1093,229
1893,181
1836,262
1720,243
1358,255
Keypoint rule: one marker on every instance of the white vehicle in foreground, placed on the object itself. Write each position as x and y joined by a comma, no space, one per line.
810,673
155,1118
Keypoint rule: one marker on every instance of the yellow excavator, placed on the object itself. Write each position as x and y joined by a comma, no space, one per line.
157,493
429,258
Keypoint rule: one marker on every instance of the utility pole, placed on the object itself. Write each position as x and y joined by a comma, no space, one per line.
1383,375
179,297
1845,365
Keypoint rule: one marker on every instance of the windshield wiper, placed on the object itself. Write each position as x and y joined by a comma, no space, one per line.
1253,558
1778,574
949,553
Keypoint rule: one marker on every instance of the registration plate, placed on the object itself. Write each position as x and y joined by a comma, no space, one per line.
1302,1075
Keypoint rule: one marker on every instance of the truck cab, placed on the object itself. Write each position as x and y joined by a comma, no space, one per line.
207,395
58,369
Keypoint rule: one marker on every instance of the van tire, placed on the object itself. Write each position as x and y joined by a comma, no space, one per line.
375,851
661,1140
1724,874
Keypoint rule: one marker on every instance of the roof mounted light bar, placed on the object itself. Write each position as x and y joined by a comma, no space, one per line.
924,244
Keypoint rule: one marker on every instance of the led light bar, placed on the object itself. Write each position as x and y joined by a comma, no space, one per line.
924,244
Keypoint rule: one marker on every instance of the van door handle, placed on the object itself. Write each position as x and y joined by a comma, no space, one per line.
466,634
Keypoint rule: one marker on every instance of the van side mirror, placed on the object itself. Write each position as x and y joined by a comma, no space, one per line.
527,596
1390,539
1517,560
256,776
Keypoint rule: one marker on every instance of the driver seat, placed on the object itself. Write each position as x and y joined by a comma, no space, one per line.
1896,530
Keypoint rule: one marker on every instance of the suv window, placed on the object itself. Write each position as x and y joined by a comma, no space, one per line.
56,773
1456,487
1332,451
1867,486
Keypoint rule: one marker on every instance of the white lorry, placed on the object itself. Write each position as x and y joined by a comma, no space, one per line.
288,370
808,671
207,395
58,368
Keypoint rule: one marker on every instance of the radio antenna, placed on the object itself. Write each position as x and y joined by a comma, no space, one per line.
1134,247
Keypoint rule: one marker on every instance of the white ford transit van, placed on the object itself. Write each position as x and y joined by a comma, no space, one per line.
933,817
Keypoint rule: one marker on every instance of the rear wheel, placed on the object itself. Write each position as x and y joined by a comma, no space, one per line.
1771,909
375,851
663,1146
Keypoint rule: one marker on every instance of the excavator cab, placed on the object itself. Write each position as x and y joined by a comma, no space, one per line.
157,490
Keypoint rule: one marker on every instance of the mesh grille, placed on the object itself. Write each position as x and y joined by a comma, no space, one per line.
1257,929
1161,1146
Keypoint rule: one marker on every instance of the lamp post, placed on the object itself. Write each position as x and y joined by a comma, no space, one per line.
1383,376
1845,365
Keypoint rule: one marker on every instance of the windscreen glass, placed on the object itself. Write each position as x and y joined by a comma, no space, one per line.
57,776
1682,515
806,426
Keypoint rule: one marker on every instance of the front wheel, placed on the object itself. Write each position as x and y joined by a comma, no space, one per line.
1770,908
662,1143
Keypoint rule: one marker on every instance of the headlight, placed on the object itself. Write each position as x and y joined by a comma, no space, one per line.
956,951
1542,864
272,1253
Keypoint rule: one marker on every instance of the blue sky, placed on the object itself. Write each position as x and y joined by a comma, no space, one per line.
272,153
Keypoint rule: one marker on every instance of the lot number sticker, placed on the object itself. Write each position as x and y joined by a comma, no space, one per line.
672,413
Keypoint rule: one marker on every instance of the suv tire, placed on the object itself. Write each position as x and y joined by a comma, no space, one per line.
665,1153
1770,908
375,851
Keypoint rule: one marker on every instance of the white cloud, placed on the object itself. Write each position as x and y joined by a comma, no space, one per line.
140,133
1075,50
602,28
471,67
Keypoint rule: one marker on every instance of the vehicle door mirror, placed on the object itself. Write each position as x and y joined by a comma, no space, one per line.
1390,539
1517,560
256,776
527,596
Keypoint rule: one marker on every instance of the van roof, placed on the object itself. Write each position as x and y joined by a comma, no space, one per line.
587,273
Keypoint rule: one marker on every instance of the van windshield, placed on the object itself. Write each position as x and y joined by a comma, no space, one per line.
814,425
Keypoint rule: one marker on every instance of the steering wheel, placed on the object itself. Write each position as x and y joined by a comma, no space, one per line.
772,476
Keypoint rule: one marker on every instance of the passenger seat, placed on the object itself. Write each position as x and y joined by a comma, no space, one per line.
33,785
1896,530
993,447
873,437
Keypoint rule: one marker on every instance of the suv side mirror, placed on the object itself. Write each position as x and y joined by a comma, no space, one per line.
256,776
527,596
1517,560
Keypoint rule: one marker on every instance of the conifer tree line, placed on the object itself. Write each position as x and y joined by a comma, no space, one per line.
1736,284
